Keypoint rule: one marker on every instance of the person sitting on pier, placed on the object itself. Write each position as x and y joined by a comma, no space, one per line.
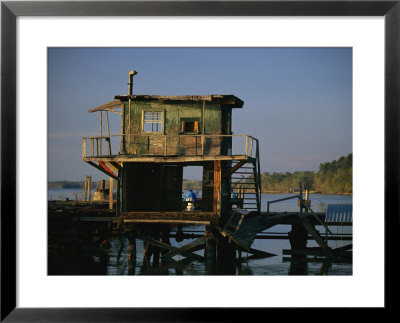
190,199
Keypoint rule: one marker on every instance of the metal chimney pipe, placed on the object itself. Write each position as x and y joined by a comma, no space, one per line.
130,84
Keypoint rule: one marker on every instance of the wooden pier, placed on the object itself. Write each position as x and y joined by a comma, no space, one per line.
242,228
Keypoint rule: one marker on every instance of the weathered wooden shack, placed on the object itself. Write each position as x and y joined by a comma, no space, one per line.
162,134
159,136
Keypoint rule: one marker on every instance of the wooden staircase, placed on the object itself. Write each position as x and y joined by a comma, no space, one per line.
246,182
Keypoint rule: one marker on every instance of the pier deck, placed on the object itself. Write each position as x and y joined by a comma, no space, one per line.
183,217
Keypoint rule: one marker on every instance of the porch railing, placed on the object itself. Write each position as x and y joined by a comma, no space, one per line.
169,145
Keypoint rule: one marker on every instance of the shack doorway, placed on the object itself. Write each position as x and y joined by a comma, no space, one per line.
172,183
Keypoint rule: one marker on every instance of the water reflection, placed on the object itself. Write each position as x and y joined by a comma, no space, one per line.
114,260
122,257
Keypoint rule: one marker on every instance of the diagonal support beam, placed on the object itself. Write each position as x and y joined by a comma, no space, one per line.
316,236
166,246
234,168
187,247
110,172
111,167
103,170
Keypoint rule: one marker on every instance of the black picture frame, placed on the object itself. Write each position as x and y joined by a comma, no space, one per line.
10,10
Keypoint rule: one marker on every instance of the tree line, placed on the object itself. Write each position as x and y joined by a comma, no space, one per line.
335,177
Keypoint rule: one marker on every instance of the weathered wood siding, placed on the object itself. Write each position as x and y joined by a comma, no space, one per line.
171,140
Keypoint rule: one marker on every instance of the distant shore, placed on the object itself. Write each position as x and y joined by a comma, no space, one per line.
311,192
193,184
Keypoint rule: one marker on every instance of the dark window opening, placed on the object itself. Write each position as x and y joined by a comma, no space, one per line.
190,126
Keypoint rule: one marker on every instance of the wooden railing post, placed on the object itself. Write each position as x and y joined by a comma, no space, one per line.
247,146
91,147
109,136
83,148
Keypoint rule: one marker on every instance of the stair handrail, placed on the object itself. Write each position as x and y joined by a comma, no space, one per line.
258,174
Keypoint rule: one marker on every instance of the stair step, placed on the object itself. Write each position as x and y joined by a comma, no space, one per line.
244,167
244,172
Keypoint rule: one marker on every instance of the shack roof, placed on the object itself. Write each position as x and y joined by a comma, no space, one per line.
231,100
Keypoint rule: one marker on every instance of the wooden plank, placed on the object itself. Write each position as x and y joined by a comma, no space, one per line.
166,246
111,166
114,104
83,148
101,169
98,219
169,217
217,187
186,247
109,171
315,235
91,147
122,137
171,221
101,132
170,214
166,160
108,134
110,194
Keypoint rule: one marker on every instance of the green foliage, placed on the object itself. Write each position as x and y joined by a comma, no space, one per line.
191,184
65,184
335,177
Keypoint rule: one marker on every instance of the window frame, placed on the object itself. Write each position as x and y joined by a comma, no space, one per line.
162,121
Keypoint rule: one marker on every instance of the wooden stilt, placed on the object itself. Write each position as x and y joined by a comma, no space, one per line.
85,187
298,237
165,236
210,248
147,252
132,248
210,252
89,188
156,250
110,194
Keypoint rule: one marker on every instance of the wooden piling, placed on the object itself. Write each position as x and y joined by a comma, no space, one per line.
89,188
165,236
85,188
210,248
110,194
298,237
132,248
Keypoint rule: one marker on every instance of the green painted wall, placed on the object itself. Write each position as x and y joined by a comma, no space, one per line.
139,142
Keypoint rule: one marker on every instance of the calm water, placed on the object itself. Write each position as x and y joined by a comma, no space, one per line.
114,260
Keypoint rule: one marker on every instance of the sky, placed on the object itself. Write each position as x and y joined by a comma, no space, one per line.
297,101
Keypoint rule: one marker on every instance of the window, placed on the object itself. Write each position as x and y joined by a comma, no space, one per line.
152,121
190,126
